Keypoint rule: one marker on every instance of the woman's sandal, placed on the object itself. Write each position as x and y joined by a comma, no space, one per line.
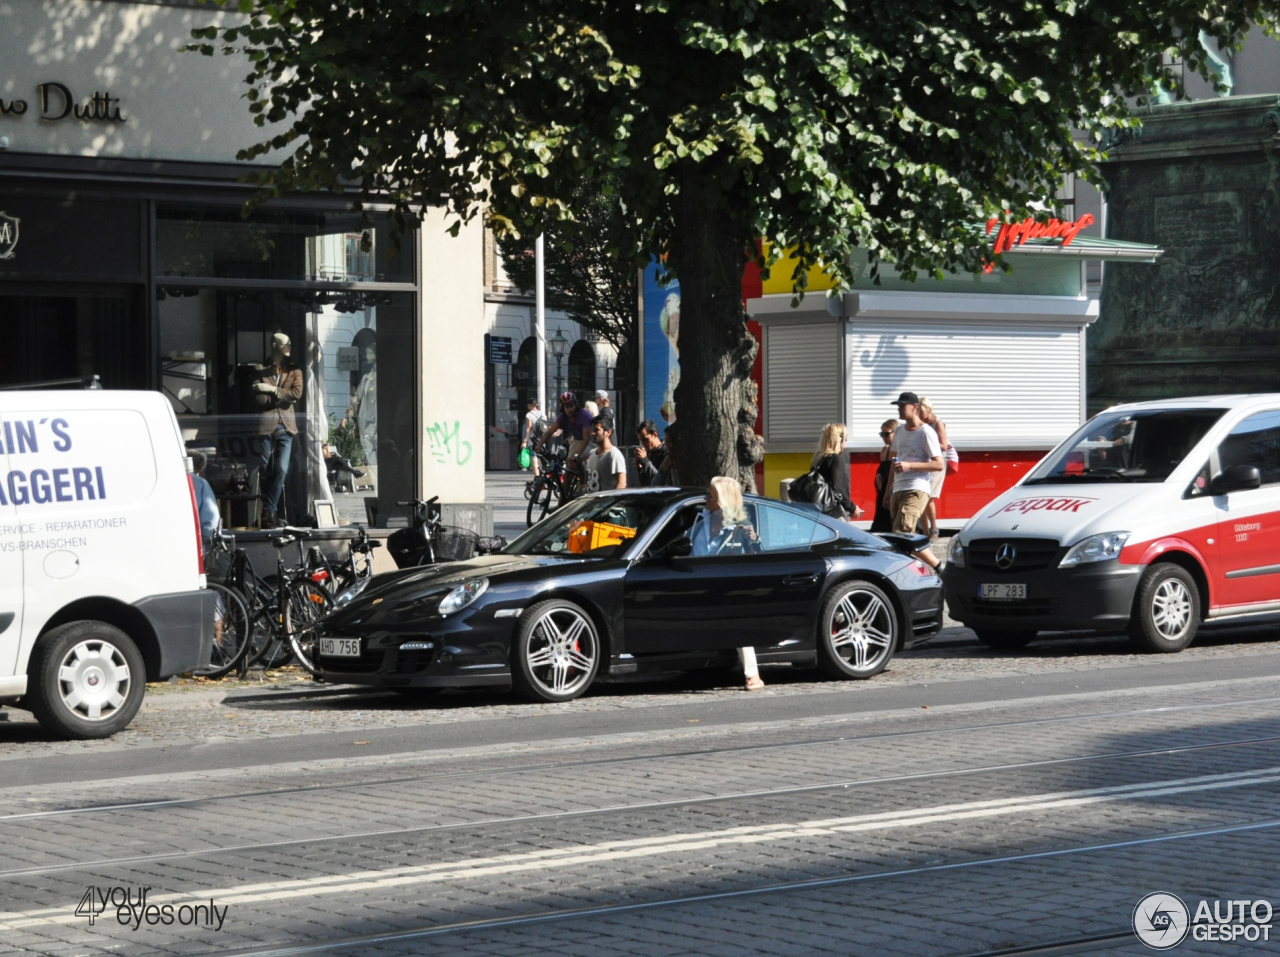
755,684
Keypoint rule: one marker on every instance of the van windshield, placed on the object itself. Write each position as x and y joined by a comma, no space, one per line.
1141,446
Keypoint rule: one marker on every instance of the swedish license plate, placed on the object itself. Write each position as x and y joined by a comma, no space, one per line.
1002,591
340,647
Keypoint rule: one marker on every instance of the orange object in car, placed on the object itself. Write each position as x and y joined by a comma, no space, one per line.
588,536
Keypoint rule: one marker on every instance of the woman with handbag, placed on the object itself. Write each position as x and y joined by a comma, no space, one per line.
936,478
830,462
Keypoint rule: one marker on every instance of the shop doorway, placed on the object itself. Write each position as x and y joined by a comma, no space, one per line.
51,337
582,370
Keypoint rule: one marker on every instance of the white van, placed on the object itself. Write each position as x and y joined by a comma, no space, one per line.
1149,519
101,573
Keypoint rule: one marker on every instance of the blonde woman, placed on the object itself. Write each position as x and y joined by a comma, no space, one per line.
935,478
830,462
723,528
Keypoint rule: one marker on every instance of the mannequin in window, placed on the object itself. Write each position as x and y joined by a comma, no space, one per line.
276,387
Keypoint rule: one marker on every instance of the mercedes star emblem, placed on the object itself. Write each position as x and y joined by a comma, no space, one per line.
1005,555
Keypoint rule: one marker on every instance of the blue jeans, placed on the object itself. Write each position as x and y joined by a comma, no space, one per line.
276,450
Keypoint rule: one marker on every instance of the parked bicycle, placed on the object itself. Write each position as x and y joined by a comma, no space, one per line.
553,488
232,620
298,603
428,540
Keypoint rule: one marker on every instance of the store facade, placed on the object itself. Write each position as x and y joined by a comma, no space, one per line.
130,257
1000,355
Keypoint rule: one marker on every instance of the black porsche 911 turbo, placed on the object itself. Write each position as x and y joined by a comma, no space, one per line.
622,582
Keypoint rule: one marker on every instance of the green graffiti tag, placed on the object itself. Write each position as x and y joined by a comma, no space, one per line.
446,443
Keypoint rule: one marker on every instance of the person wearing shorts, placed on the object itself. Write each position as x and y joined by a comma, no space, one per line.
915,452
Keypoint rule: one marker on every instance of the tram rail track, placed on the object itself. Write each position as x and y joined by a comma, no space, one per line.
643,806
425,932
622,759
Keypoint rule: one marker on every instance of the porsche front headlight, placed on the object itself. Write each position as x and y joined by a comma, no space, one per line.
347,596
463,595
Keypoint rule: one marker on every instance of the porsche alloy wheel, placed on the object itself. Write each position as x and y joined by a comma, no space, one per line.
859,631
557,652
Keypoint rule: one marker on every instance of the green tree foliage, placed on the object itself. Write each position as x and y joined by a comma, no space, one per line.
816,124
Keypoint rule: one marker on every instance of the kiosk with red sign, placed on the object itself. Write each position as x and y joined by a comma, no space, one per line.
1001,356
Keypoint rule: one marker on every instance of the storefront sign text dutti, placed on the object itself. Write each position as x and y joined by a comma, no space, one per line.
57,103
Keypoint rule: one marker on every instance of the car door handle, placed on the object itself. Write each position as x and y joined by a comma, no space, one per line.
808,579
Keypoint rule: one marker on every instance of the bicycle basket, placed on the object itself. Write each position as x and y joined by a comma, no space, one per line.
456,544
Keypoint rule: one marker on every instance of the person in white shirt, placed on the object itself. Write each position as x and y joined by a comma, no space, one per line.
916,454
531,420
607,466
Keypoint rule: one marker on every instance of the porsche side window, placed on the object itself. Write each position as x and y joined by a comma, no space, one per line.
1255,441
782,529
681,523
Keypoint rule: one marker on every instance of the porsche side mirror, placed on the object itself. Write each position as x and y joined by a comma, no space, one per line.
680,548
1236,478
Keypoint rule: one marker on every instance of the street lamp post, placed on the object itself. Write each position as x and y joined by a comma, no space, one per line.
558,344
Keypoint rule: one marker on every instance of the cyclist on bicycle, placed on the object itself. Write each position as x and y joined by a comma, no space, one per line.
575,421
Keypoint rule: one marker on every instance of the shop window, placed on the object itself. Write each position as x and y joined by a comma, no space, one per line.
218,242
49,338
354,355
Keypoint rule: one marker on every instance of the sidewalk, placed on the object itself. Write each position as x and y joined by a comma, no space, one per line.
505,492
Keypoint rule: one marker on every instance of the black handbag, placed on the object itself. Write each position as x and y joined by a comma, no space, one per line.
814,489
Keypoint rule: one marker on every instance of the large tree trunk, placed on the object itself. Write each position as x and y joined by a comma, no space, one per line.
716,397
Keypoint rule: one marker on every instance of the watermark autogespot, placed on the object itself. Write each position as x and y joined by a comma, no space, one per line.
1162,921
129,907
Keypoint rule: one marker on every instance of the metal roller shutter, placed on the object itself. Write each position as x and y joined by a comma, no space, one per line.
994,386
801,380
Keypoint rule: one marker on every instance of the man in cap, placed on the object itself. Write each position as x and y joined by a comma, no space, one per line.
916,453
277,386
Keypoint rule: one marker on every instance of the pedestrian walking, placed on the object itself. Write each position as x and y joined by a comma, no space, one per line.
607,466
883,520
916,453
930,418
606,410
650,453
534,424
723,528
830,462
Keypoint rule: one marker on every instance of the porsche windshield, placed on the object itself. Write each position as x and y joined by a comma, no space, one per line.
590,527
1145,445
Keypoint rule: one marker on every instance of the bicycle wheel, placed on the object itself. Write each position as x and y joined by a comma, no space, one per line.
308,604
545,500
231,632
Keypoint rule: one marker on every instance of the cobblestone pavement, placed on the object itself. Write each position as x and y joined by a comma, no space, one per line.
1025,822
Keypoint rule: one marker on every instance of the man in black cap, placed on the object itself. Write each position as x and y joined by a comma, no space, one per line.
916,453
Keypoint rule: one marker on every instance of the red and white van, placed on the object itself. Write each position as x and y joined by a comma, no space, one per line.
1151,518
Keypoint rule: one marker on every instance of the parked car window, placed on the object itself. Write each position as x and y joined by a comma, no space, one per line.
1255,441
783,529
1144,445
591,527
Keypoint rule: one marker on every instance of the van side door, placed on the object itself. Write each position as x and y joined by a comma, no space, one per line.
1249,524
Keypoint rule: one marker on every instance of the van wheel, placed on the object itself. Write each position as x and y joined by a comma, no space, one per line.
1004,640
1166,611
85,680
